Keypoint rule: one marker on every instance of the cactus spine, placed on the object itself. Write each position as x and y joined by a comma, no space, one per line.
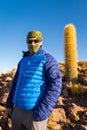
70,53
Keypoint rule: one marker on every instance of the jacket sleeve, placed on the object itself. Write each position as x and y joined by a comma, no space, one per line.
9,103
53,89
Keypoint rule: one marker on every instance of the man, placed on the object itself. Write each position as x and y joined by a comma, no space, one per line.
36,87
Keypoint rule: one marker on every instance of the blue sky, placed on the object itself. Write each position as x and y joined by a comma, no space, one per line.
18,17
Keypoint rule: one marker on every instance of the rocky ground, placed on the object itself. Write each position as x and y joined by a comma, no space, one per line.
70,112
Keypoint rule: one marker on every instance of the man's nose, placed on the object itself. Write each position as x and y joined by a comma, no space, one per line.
32,43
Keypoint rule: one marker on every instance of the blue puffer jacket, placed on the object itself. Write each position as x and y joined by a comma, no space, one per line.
31,82
43,90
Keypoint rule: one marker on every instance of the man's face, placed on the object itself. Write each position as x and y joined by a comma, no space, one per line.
33,45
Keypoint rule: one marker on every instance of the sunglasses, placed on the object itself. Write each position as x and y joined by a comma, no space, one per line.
35,41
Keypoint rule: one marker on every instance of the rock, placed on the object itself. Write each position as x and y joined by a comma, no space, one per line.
0,128
60,102
83,127
8,79
73,112
57,117
65,93
2,108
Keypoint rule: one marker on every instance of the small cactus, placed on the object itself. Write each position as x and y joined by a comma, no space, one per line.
70,53
78,90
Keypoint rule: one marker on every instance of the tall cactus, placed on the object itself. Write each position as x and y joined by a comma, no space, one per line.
70,53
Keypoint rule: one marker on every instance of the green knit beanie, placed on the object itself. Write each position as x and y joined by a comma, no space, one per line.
34,34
